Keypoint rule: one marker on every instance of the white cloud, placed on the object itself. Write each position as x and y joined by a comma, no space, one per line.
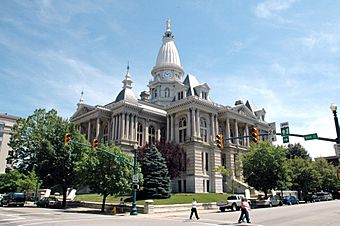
271,7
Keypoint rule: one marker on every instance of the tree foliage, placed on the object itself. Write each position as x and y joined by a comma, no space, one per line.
297,151
303,175
326,177
174,155
14,181
155,172
106,174
264,166
38,143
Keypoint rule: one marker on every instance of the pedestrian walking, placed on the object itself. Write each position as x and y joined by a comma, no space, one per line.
122,205
245,208
194,209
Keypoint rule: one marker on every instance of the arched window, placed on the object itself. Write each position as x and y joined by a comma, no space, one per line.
140,134
152,135
167,92
182,128
203,126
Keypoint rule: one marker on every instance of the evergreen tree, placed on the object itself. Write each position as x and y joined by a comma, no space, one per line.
155,172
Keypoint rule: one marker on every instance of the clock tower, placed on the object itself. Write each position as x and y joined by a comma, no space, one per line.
167,73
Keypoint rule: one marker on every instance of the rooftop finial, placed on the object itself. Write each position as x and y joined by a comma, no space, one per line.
81,100
168,24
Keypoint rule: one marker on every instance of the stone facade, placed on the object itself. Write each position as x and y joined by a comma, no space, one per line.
176,110
6,124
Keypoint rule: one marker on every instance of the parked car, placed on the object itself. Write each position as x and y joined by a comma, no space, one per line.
289,200
13,199
336,194
233,202
324,196
310,198
269,201
48,202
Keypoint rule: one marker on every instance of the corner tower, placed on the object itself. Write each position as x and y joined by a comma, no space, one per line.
168,72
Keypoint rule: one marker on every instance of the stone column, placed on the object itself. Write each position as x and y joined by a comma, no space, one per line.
212,128
247,134
167,128
216,124
147,131
172,127
198,130
120,126
113,127
193,122
123,126
136,127
89,131
188,125
98,128
236,132
227,130
127,126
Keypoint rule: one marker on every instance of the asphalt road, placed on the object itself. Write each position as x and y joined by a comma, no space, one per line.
314,214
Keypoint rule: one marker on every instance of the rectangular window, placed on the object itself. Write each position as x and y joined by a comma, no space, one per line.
206,162
184,185
208,186
223,159
179,186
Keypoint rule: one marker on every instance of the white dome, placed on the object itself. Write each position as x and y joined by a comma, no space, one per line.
168,54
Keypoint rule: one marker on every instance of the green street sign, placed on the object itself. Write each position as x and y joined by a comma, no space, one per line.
285,131
312,136
285,139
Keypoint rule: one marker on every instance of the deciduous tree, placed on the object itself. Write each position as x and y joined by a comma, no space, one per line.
263,166
38,143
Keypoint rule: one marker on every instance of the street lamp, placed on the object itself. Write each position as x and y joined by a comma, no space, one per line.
135,181
334,107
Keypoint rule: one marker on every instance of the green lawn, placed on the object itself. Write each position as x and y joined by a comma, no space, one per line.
174,199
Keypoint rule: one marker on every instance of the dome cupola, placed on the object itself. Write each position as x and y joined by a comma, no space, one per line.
168,61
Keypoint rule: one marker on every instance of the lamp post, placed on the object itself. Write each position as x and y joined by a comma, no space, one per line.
334,107
135,181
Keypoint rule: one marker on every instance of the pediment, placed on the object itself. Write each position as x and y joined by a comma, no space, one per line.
243,110
82,109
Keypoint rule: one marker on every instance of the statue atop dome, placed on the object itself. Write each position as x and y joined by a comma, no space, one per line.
168,24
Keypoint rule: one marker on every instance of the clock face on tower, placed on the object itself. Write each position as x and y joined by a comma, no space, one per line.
167,74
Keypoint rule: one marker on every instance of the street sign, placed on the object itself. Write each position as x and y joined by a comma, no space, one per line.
285,139
312,136
272,131
337,149
285,132
135,179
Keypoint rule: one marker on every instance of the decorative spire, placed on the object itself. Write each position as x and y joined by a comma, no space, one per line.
81,100
168,24
127,81
168,31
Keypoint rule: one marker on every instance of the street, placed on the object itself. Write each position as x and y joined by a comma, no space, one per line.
311,214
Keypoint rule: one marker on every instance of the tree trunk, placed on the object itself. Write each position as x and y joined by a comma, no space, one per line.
64,196
103,203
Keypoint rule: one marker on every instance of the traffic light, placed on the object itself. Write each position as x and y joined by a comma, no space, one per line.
67,138
94,143
255,135
219,140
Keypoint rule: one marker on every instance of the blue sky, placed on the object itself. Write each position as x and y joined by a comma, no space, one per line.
282,56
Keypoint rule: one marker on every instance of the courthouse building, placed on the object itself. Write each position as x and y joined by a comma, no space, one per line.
176,108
